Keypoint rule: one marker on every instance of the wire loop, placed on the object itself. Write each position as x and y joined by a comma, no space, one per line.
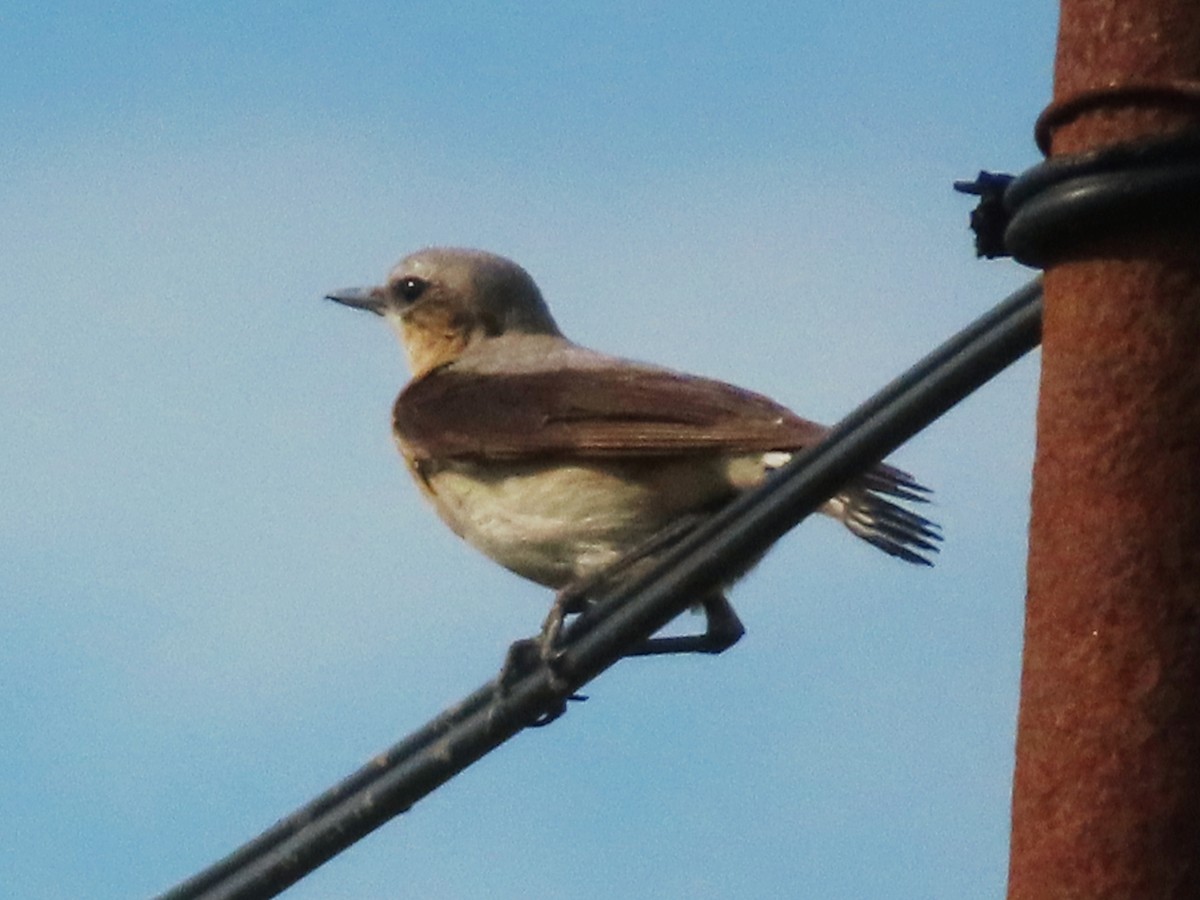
1180,94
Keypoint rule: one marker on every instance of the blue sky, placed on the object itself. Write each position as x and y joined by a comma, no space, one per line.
220,592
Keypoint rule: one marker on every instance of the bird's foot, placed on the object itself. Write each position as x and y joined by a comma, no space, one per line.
528,654
723,630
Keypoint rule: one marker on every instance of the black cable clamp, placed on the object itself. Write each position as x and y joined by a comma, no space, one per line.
1058,208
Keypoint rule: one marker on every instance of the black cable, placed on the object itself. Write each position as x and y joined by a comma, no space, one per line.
716,551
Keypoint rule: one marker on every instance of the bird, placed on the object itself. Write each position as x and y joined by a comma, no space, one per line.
557,461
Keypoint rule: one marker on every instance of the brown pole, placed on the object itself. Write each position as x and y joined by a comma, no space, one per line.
1106,797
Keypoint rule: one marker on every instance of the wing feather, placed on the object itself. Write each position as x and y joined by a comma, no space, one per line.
619,411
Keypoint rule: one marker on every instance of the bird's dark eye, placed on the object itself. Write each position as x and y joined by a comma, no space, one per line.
411,288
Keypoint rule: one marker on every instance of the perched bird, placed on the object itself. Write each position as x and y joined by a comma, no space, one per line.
556,460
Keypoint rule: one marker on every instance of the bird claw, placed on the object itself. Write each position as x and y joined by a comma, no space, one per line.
525,656
522,657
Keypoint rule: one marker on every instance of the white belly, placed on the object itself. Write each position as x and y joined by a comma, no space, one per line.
555,524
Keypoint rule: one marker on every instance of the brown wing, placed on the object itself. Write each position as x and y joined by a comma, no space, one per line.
618,411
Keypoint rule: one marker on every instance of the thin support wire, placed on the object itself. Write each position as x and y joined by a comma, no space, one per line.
625,615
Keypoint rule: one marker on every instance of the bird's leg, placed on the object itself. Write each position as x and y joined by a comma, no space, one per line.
723,630
571,599
527,653
576,596
723,626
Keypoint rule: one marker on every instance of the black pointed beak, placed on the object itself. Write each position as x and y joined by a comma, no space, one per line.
370,299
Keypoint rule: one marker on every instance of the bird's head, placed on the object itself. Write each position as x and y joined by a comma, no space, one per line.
442,300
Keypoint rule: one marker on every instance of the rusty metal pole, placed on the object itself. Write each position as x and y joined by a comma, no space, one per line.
1106,796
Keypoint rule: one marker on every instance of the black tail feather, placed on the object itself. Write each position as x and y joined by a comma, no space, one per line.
868,510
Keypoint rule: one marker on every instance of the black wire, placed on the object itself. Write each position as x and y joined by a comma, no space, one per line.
715,552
